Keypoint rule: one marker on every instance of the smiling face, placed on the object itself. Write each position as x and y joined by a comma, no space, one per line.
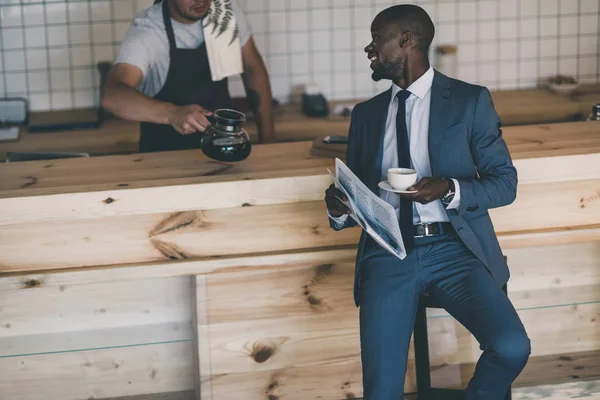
189,10
386,50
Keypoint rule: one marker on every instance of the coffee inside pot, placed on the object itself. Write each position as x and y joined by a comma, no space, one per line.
226,140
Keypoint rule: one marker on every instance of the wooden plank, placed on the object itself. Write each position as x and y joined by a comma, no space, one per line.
278,227
532,141
120,273
524,142
577,332
188,395
201,326
547,237
515,107
252,289
160,237
42,308
117,136
114,273
552,267
95,339
98,374
533,106
537,206
257,192
259,188
261,326
129,170
572,370
239,191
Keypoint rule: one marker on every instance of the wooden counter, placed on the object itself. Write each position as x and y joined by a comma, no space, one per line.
115,136
587,96
132,274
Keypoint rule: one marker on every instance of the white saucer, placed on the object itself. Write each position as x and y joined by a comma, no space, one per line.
386,186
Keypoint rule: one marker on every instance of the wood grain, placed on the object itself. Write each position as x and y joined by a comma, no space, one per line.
277,323
278,227
98,374
529,106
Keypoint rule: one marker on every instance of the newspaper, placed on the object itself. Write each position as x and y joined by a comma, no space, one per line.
374,215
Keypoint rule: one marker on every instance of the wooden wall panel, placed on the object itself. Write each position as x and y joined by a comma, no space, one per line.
94,306
262,327
98,374
159,237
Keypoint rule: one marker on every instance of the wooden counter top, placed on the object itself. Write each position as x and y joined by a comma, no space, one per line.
115,136
586,97
280,159
525,141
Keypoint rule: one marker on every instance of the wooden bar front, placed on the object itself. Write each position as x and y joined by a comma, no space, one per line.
169,272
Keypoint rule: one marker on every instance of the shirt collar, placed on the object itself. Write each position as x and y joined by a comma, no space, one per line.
419,88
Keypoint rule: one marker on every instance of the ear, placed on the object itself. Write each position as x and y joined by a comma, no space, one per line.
405,39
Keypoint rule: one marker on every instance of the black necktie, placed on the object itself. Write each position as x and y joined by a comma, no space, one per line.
406,209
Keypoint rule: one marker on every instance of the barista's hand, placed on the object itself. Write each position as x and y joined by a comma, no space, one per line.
333,199
189,119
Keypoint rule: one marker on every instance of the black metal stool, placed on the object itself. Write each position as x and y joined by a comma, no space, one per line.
421,347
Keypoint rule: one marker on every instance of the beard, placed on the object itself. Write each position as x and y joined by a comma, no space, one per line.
387,70
193,17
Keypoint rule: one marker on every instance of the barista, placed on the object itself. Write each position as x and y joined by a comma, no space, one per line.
162,77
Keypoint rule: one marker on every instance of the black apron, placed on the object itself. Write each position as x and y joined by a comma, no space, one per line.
188,82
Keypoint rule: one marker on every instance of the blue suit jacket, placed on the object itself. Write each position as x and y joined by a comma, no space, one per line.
465,143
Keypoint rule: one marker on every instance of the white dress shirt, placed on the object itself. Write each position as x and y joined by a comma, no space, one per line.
417,121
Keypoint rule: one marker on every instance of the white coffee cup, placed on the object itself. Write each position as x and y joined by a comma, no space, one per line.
401,178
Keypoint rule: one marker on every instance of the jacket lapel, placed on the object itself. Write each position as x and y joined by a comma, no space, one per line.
439,115
375,136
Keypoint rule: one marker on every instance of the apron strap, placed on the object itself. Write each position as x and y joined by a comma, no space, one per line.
168,24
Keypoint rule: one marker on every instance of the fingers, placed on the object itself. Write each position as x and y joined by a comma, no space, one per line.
420,185
196,121
334,199
195,124
335,192
201,110
187,128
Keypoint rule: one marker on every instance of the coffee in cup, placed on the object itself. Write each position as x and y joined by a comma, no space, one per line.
401,178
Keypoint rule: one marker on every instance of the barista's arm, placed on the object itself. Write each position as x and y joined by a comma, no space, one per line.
121,98
258,90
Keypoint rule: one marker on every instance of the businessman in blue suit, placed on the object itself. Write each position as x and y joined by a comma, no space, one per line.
448,131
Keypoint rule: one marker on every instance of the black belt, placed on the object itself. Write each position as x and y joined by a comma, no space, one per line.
433,229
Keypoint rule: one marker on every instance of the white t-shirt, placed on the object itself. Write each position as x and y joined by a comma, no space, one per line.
147,47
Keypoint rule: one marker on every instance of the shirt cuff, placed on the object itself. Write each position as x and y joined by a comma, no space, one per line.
339,221
455,203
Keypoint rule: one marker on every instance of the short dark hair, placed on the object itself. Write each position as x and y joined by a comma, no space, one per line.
414,19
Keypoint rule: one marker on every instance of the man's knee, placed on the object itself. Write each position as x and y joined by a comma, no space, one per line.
512,348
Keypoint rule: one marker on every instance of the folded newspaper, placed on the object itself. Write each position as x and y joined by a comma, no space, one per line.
373,214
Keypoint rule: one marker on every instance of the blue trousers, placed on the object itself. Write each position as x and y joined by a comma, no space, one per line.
444,267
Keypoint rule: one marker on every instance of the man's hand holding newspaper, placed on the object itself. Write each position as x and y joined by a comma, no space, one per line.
374,215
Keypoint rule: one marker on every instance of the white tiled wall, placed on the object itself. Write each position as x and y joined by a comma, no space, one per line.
49,49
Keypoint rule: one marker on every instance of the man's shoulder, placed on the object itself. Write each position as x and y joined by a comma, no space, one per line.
461,87
150,19
379,100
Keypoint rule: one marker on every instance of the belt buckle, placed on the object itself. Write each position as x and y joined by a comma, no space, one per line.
427,231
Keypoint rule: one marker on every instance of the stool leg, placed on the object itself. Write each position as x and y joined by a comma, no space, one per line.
421,348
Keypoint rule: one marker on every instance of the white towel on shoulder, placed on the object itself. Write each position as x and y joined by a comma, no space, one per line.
222,41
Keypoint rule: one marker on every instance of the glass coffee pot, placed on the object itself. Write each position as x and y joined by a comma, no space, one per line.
226,140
